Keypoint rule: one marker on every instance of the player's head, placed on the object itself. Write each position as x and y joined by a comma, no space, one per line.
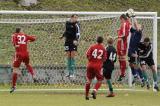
146,41
110,40
123,18
99,39
140,27
74,17
18,30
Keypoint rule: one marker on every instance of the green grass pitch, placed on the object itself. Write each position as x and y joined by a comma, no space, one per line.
123,98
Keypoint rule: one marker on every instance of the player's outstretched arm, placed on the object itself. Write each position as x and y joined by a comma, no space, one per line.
31,38
136,24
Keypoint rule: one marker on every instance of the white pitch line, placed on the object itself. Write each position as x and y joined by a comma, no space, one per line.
37,90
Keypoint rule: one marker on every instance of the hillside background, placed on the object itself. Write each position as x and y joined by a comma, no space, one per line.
88,5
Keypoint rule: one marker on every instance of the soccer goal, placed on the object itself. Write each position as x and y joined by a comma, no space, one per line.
47,53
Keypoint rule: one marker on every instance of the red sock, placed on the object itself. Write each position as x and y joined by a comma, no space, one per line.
97,86
122,67
87,87
14,79
30,70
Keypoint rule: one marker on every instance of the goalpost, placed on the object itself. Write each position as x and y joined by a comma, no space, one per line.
47,53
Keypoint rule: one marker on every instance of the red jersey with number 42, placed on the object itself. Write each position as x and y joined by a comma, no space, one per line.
20,41
96,54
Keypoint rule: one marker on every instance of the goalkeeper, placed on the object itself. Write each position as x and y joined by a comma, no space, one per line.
135,39
71,35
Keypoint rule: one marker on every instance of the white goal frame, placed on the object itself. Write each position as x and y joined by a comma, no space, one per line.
140,15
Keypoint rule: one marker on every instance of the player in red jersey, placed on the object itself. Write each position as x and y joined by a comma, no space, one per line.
123,34
96,55
20,41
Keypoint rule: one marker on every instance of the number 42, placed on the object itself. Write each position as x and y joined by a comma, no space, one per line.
97,53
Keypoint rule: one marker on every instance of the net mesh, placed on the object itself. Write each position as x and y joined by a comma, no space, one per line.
47,52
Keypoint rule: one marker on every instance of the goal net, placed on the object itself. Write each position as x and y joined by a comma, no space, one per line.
47,53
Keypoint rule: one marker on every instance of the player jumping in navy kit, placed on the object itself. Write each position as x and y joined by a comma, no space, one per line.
135,39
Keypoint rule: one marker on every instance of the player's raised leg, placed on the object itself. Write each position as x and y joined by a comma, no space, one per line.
29,68
123,65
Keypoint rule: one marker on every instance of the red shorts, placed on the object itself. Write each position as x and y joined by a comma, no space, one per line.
19,58
94,71
121,48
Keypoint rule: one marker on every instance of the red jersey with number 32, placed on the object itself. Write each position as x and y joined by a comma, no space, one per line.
96,54
20,41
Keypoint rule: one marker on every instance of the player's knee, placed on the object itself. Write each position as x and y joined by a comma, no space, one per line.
88,82
99,81
68,54
73,53
153,68
15,70
143,67
122,58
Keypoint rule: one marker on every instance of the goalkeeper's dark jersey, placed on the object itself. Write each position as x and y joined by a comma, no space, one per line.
145,52
111,58
134,41
72,31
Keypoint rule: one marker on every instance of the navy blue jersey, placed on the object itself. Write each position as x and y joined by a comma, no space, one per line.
72,31
134,41
111,58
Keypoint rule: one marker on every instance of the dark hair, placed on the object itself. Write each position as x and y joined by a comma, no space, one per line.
18,30
74,15
123,16
99,39
146,39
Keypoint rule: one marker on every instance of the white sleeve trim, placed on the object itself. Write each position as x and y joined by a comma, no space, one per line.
78,31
